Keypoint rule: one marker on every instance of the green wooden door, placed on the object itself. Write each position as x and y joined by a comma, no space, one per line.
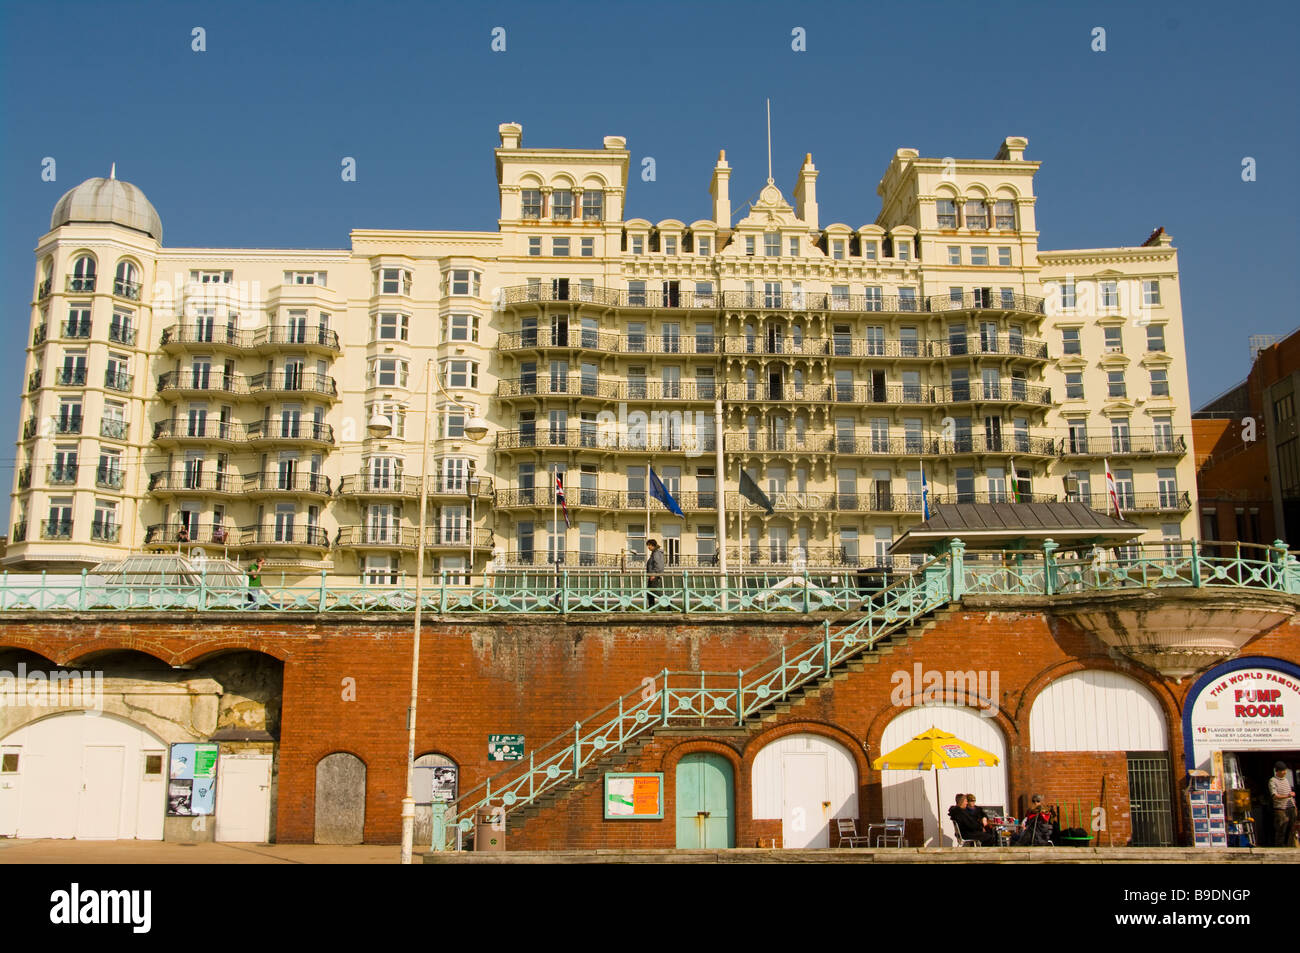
705,801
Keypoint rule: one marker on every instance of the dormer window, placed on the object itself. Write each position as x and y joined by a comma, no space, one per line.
303,277
532,203
837,249
638,244
561,205
218,277
703,246
670,244
869,251
903,249
750,243
593,205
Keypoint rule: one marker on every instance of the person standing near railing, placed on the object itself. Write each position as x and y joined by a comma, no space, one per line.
654,569
1283,795
255,582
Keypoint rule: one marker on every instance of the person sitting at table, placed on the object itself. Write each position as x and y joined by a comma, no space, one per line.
1037,828
977,813
967,827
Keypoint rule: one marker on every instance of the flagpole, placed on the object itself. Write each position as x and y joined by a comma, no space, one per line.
720,469
555,527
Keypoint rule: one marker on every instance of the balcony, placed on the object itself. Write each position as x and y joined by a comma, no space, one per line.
61,475
25,477
754,392
77,330
30,426
290,430
80,285
167,483
1007,392
119,381
66,425
1107,444
780,443
985,300
34,380
184,382
108,478
274,481
590,437
380,484
577,385
204,534
202,430
19,533
291,535
105,532
377,537
207,334
120,334
70,377
130,290
38,334
43,289
1166,501
56,529
279,383
296,335
112,428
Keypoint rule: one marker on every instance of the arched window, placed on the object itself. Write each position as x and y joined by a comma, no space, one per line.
83,274
126,283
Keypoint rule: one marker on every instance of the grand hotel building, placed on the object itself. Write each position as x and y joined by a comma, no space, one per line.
219,398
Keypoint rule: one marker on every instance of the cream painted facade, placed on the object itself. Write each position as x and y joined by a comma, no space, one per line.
218,398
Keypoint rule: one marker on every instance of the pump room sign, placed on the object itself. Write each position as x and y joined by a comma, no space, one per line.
1249,709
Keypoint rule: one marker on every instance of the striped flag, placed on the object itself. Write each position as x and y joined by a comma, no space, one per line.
559,498
1112,493
925,494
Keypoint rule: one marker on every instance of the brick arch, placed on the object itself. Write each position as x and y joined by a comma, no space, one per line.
204,650
27,644
876,729
154,648
686,746
668,765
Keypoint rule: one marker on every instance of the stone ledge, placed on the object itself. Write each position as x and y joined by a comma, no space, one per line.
892,855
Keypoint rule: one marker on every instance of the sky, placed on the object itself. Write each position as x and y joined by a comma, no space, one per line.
241,144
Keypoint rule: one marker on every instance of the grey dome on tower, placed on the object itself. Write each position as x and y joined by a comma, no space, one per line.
108,200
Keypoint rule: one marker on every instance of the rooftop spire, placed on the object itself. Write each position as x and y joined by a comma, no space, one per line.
769,141
112,172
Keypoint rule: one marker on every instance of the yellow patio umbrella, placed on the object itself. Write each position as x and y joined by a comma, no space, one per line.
931,751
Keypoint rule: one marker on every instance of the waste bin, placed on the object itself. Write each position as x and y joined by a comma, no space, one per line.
490,830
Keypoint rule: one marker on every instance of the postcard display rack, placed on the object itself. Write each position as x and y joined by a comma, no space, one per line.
1209,821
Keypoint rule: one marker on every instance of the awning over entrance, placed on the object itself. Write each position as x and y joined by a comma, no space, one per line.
1016,526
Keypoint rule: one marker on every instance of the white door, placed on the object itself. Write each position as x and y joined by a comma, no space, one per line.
244,798
807,781
99,811
806,820
83,775
11,765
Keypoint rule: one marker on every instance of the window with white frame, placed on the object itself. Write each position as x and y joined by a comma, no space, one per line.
1067,293
670,244
1151,292
751,245
903,249
837,249
1074,385
977,214
560,247
455,471
1004,256
1109,294
1159,382
465,282
531,203
1004,213
304,277
1070,343
394,412
460,373
460,327
534,246
1155,337
593,205
562,205
394,281
947,213
381,571
392,326
979,255
869,251
1115,384
772,244
636,245
703,246
212,277
954,254
588,249
794,246
1114,339
388,372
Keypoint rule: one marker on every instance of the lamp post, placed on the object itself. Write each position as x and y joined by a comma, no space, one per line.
471,487
380,426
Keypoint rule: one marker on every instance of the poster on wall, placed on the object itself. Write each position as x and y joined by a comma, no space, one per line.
192,784
634,796
1249,709
444,784
505,747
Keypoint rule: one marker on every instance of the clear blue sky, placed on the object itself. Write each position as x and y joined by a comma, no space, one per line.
241,145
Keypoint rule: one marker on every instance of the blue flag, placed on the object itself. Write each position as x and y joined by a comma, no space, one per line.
925,495
660,493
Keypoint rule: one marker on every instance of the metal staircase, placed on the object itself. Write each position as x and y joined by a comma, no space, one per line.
715,700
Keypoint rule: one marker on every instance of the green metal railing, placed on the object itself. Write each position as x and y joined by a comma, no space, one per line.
686,699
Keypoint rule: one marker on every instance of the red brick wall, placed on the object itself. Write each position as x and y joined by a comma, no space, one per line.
480,677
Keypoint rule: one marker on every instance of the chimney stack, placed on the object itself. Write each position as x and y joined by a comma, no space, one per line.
720,189
805,194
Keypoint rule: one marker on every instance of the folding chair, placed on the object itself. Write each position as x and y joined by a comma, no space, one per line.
962,841
847,829
893,829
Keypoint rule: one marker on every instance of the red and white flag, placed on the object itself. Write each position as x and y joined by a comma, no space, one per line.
559,498
1112,494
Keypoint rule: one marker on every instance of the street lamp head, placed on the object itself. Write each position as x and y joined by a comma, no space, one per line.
476,428
379,425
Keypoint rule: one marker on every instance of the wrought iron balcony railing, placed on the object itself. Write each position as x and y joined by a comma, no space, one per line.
116,380
591,437
273,481
112,428
126,289
284,534
197,533
181,428
1167,501
164,481
30,426
288,334
34,380
43,289
61,474
203,381
121,334
38,334
101,532
76,329
109,478
70,376
24,477
80,285
289,428
56,529
207,333
1107,444
66,425
278,382
19,533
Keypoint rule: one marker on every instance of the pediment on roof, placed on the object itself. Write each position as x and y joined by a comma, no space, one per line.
771,209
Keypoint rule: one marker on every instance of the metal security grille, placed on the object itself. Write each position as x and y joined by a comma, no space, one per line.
1150,808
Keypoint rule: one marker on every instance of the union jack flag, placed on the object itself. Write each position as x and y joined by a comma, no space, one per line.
559,498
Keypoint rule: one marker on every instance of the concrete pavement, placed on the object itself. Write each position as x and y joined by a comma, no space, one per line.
159,852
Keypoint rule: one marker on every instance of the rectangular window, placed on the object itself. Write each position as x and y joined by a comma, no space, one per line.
869,251
1070,343
906,299
1004,257
1151,292
465,282
794,247
703,246
1067,294
392,327
1155,337
1114,340
532,203
979,255
772,244
535,245
903,249
954,254
1115,384
394,281
638,245
874,299
460,373
751,245
593,205
1074,385
947,212
1159,382
977,214
560,247
1110,294
460,327
670,244
588,247
561,205
1004,213
837,249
